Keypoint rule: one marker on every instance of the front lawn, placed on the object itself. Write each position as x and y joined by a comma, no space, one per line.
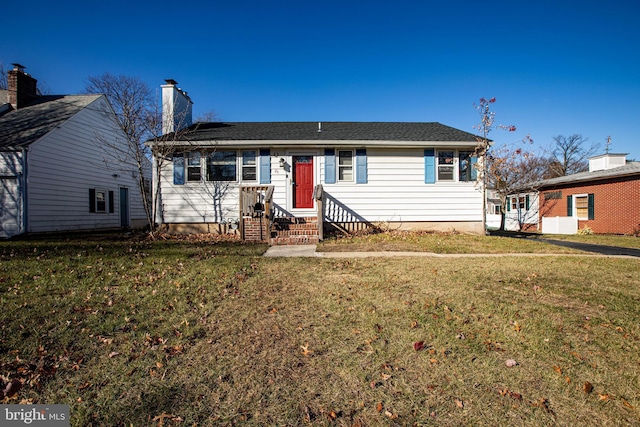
196,332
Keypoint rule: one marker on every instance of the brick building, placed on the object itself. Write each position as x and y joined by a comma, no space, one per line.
606,198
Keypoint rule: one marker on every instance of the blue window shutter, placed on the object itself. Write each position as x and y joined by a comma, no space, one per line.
508,204
92,200
111,202
178,168
590,206
265,166
329,166
569,205
429,166
527,202
361,165
474,170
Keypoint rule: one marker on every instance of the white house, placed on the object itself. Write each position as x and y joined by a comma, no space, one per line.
57,171
348,175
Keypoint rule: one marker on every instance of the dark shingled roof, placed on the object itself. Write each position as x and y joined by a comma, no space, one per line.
21,127
629,169
330,131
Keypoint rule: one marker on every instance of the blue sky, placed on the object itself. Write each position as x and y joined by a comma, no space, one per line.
555,67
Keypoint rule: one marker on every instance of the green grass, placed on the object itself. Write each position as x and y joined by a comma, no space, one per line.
441,243
210,333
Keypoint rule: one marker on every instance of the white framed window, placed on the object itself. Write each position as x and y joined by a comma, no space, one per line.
101,201
466,168
446,165
194,166
249,165
345,165
222,166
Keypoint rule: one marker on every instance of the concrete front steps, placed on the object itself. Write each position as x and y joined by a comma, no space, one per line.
294,231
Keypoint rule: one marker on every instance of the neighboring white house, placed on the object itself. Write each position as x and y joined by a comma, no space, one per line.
56,168
418,176
521,213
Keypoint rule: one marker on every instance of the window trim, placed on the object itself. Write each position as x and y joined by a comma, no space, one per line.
444,165
471,174
340,167
105,195
244,167
197,168
211,156
584,196
109,201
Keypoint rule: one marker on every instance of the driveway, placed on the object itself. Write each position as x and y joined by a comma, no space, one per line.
599,249
587,247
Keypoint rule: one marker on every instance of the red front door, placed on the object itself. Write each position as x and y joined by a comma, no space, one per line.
302,181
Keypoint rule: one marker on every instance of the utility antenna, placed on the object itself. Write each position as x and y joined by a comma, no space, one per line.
608,144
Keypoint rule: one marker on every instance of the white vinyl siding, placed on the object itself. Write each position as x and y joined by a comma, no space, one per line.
395,191
67,162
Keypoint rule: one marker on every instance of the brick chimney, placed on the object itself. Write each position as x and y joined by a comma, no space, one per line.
22,87
176,108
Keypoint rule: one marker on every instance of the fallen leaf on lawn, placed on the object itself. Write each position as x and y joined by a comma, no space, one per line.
627,404
159,364
459,403
517,327
419,345
414,324
305,350
12,388
333,415
391,415
587,387
379,406
434,361
558,369
113,354
604,397
385,376
510,363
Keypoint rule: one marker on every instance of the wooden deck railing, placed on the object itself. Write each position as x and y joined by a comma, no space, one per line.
255,200
318,195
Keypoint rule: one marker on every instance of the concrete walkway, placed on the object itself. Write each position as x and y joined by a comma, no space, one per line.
309,251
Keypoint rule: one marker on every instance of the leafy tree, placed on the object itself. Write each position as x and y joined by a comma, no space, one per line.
570,155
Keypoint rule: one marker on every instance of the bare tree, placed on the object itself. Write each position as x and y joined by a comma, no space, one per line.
3,77
571,155
511,169
486,125
133,104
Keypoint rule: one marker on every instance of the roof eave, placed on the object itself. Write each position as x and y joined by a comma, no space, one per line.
314,143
